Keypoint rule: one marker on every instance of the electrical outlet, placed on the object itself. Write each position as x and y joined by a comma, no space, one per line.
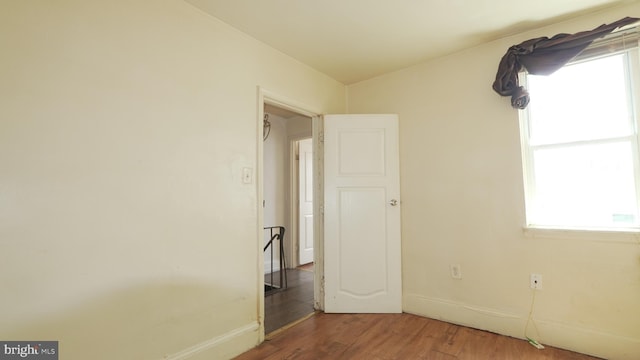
535,281
456,273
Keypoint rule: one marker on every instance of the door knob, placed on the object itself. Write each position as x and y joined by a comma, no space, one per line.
393,202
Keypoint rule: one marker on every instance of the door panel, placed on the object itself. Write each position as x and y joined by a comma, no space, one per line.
361,152
362,223
360,217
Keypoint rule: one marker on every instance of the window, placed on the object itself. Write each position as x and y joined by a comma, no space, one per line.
580,142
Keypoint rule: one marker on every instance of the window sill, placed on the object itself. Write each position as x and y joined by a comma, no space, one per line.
627,235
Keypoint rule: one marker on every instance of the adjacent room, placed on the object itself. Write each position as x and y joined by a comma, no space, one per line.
149,149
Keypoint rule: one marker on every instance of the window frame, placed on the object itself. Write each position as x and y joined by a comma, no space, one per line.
621,45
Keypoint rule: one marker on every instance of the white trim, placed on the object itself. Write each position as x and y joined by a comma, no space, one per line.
285,103
294,206
212,343
317,124
634,83
601,344
627,236
466,315
259,177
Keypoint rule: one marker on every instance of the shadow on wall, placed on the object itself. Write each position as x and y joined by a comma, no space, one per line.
146,322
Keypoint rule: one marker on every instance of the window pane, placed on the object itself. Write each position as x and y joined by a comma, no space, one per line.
583,101
588,186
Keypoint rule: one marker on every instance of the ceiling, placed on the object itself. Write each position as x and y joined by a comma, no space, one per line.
354,40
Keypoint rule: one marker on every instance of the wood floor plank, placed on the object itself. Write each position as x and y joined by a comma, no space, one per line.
400,335
395,337
261,352
371,339
437,355
285,306
423,342
452,340
480,345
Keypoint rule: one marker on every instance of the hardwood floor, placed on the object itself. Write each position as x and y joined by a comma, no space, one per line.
394,336
286,306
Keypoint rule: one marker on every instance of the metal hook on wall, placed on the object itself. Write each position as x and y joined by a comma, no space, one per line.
266,127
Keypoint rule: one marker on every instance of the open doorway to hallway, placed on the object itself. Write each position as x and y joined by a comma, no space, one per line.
287,207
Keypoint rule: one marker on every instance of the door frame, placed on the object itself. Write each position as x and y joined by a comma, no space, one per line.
294,198
267,97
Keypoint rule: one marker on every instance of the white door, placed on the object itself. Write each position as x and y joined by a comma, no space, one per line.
305,196
362,266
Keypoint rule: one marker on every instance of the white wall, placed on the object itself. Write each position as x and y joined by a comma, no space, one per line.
125,229
463,203
299,127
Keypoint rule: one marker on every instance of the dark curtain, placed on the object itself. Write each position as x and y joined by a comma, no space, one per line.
543,56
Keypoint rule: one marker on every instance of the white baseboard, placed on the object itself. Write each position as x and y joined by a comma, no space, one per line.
553,333
589,341
221,347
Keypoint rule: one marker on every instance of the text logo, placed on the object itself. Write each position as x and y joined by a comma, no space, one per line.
30,350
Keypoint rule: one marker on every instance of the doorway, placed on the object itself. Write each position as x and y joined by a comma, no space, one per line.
364,146
287,181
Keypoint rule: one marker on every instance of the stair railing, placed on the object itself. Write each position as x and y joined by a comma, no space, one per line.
276,233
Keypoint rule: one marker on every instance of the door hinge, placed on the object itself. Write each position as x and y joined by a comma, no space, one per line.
322,209
321,137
